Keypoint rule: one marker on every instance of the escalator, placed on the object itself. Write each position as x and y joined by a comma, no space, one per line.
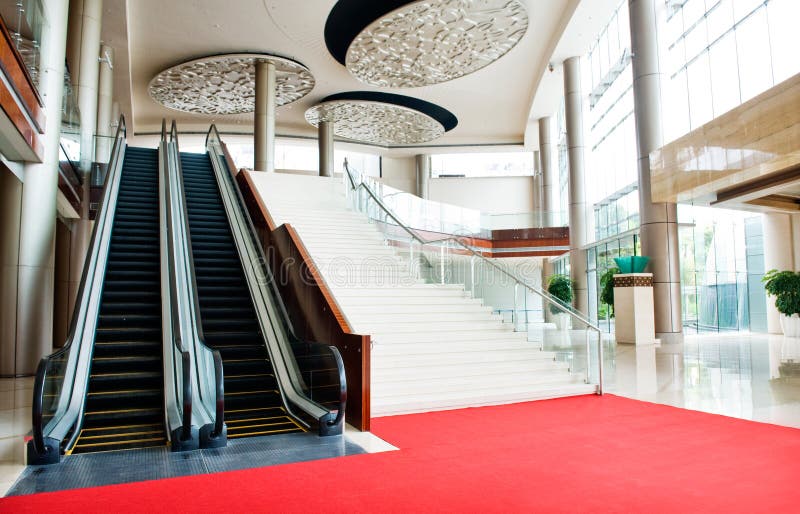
253,401
125,399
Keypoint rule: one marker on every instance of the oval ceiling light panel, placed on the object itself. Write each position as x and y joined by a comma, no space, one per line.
382,118
420,43
225,84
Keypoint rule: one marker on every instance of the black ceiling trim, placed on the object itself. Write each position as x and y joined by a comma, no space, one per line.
440,114
349,17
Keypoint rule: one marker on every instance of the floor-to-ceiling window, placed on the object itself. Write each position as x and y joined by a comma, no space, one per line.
716,54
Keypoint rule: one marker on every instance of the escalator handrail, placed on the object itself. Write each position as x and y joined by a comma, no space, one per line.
191,290
172,334
84,317
285,358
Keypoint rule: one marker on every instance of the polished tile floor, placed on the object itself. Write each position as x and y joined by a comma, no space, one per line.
749,376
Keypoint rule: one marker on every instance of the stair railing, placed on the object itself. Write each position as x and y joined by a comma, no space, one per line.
62,378
364,199
204,378
273,318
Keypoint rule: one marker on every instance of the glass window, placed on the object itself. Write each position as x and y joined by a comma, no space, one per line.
501,164
700,104
366,163
724,75
783,16
755,62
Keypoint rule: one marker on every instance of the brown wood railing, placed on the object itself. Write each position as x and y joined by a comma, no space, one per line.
311,306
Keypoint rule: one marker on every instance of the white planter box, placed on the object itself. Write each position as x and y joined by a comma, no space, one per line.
790,325
561,321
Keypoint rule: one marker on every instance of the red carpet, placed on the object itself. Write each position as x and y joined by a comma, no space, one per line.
585,454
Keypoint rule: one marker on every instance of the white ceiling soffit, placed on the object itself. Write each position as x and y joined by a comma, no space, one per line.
492,104
581,26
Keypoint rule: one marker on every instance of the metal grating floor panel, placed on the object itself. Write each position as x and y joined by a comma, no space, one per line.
119,467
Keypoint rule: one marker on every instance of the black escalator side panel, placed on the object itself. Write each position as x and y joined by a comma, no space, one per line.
253,404
125,402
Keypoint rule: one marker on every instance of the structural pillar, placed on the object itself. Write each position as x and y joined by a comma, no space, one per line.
325,138
573,107
423,162
537,189
34,334
778,254
105,105
549,178
264,129
86,19
658,221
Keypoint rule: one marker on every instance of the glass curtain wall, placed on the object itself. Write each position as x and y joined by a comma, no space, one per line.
716,54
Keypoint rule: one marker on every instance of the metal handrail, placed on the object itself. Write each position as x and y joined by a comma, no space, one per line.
190,324
456,239
287,372
81,333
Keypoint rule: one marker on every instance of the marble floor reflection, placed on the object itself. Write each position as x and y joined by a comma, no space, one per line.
748,376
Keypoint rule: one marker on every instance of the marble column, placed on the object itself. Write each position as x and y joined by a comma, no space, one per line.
264,129
658,221
105,105
34,334
85,25
778,254
573,104
549,173
423,166
537,189
325,140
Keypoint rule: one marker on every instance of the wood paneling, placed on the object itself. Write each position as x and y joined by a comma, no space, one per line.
312,308
754,142
21,87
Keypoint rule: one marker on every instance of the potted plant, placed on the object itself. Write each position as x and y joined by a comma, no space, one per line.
785,287
560,287
607,288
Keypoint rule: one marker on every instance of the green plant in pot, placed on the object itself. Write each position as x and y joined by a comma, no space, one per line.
560,286
785,287
607,288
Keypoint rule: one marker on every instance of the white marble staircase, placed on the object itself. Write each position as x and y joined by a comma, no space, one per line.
434,347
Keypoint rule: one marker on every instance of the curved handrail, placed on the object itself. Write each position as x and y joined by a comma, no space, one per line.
458,240
77,348
188,291
342,386
283,357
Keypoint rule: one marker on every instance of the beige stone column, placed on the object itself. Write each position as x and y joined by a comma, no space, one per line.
264,120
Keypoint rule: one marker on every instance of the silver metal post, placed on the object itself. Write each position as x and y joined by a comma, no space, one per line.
588,358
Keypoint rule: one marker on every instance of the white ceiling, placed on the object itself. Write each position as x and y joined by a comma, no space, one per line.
493,105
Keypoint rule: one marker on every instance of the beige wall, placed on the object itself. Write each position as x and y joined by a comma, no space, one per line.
10,208
494,195
400,173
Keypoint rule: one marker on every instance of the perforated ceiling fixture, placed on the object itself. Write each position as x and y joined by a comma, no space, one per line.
411,44
382,118
225,84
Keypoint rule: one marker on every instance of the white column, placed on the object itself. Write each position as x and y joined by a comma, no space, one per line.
537,187
549,175
34,335
573,104
778,254
105,104
10,207
423,162
325,141
264,122
87,23
658,221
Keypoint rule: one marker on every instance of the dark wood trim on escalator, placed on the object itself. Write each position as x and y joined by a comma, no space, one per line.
311,306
